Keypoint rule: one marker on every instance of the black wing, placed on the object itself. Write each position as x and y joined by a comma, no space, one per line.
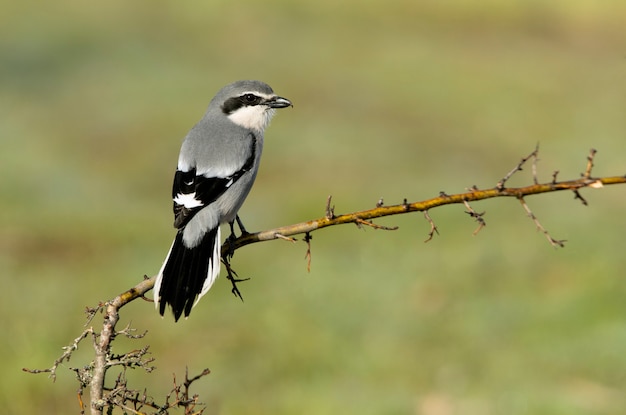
193,192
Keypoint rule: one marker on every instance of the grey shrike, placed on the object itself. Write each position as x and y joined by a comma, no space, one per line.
217,165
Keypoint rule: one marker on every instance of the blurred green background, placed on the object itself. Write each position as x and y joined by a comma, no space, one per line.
399,99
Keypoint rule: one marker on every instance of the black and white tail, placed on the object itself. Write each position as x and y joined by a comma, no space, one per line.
187,273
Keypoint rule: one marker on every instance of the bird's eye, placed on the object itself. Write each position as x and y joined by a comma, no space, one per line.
250,98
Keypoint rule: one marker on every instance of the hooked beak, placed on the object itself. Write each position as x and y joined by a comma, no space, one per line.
278,102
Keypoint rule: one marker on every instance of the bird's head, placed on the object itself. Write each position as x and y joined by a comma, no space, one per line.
249,104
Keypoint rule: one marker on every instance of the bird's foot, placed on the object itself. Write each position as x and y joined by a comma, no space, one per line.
234,279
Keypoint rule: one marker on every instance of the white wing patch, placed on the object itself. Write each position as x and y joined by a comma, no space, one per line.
188,200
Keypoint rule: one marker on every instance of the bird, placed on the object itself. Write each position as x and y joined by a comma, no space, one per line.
217,165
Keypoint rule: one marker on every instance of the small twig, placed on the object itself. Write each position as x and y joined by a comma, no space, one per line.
132,359
188,381
181,395
128,332
500,184
359,222
587,175
330,211
590,158
477,216
307,238
433,227
534,165
81,404
285,238
91,313
578,196
554,242
67,354
556,173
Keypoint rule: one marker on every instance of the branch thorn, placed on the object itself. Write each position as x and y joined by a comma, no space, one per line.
433,227
554,242
330,211
477,216
359,222
578,196
284,238
590,158
307,238
500,184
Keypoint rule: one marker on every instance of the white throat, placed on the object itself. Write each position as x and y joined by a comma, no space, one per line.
255,117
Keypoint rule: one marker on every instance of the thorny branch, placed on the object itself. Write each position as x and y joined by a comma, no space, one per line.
92,376
473,194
